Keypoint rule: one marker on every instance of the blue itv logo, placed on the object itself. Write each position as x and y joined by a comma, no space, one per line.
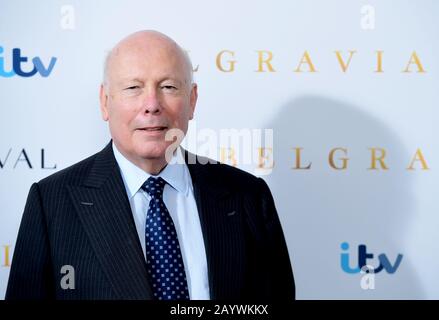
363,256
18,59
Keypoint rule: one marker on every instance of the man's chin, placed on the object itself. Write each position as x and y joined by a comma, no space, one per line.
152,151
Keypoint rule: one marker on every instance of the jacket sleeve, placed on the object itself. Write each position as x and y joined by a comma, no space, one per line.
280,273
30,275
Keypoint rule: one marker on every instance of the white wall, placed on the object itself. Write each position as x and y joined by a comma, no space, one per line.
391,211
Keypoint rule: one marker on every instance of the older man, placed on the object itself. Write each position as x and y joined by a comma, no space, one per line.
144,219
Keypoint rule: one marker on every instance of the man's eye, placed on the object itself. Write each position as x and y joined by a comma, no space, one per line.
169,87
132,87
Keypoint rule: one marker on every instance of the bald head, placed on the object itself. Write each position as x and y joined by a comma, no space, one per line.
147,94
148,42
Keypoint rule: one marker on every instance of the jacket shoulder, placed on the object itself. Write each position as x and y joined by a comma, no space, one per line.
233,174
227,175
73,174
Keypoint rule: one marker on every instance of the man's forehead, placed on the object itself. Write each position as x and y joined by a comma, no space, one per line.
142,71
132,66
151,55
147,44
147,54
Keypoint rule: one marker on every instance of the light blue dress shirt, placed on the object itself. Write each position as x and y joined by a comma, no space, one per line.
179,199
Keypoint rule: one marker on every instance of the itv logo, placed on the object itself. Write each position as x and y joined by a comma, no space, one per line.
363,256
18,60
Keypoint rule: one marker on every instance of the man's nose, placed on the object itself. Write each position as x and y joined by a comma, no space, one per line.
151,103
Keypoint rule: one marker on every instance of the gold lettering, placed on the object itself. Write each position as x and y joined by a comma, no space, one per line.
7,262
344,160
306,59
228,156
375,158
414,59
231,66
266,61
418,157
344,66
379,62
265,161
298,162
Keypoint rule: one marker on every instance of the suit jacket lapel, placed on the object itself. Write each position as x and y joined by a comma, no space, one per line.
105,213
221,224
104,210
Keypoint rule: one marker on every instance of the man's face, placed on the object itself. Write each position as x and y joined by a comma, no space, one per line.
148,93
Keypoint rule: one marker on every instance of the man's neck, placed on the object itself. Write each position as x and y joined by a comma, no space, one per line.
153,166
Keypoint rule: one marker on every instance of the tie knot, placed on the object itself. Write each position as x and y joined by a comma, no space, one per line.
154,186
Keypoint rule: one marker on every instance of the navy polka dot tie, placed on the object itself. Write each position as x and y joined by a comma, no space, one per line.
163,255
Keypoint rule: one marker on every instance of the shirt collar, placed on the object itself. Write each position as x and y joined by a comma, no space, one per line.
176,173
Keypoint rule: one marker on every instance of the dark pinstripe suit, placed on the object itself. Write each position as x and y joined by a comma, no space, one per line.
81,216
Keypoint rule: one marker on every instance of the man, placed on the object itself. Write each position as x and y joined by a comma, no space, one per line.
144,219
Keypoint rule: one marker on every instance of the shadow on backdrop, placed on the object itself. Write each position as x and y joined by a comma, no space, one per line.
321,208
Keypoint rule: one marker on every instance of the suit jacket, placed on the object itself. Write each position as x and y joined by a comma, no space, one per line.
81,217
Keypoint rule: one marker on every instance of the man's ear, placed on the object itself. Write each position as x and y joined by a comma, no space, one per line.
193,99
103,98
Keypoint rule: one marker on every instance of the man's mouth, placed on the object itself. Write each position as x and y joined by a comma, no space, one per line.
152,129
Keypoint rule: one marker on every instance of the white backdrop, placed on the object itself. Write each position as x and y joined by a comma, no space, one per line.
390,211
